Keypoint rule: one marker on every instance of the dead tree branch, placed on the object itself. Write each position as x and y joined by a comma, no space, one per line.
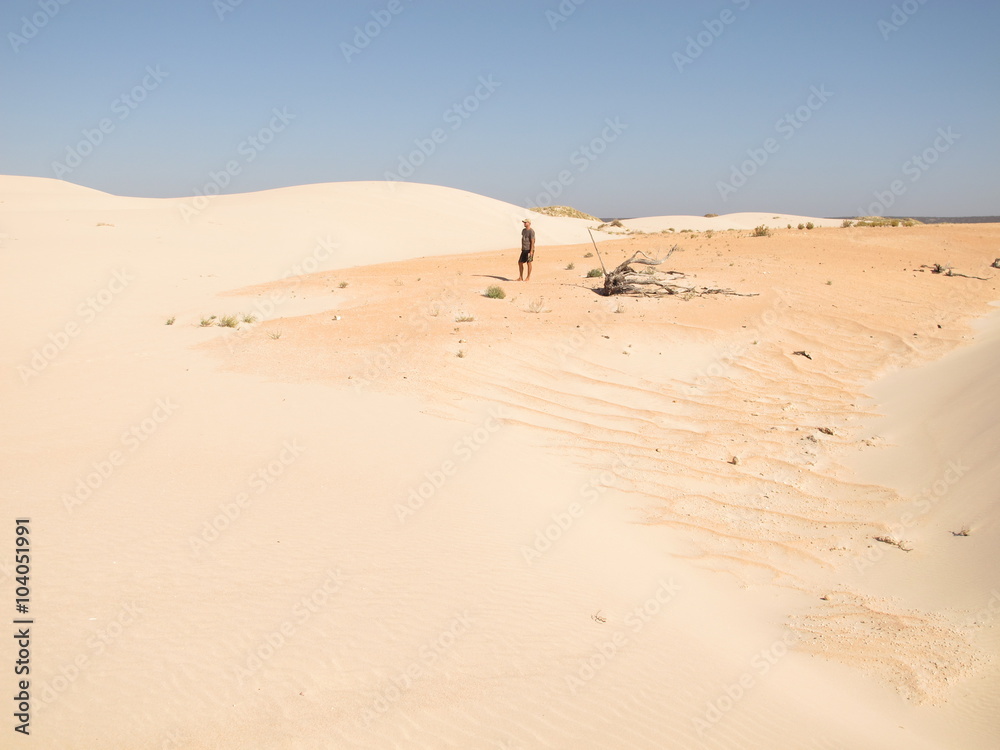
652,282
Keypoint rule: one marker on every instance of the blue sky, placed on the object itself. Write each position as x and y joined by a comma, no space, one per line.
617,108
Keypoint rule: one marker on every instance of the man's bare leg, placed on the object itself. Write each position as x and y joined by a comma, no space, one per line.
529,272
520,271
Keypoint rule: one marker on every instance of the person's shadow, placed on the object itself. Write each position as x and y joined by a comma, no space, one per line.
489,276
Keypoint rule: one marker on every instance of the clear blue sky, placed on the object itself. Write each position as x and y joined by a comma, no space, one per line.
210,74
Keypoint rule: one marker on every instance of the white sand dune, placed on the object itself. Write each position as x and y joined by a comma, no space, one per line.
325,529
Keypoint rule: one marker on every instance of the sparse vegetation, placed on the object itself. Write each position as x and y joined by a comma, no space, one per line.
570,266
274,334
595,273
170,321
621,307
248,318
460,354
228,321
588,255
881,221
537,305
802,226
847,223
206,322
964,531
761,231
564,211
343,284
810,225
710,216
464,318
495,292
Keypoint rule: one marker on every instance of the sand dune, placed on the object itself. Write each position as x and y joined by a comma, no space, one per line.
644,523
742,221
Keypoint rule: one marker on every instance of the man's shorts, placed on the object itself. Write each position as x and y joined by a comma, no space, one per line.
527,256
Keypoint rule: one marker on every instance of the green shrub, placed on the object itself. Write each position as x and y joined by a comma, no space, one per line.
810,225
495,292
761,231
594,273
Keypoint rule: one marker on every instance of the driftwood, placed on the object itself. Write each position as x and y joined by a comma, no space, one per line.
949,271
626,280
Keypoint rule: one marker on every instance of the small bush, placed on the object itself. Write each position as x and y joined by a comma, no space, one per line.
537,305
789,226
206,322
228,321
495,292
342,284
589,255
802,226
710,216
274,334
248,318
847,223
761,231
170,321
464,318
570,266
810,225
594,273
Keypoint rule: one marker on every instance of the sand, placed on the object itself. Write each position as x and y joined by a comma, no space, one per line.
393,512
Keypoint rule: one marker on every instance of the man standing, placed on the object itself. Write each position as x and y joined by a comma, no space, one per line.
527,250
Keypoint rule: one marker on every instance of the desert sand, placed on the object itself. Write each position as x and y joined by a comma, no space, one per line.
384,510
